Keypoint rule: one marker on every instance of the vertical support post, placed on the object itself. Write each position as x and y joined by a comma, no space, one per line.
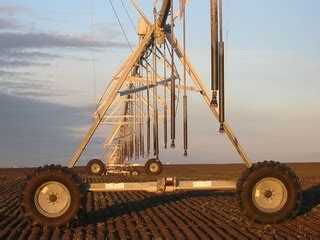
214,51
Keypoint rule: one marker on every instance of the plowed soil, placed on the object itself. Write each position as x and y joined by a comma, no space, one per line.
179,215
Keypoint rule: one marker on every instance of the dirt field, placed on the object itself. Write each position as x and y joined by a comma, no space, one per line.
180,215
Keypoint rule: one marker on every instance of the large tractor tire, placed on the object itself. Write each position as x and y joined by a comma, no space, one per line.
268,193
52,197
153,167
95,167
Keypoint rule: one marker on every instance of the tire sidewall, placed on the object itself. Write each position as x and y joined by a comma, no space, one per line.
251,209
95,161
57,176
149,162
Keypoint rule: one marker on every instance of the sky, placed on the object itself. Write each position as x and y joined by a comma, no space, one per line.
47,89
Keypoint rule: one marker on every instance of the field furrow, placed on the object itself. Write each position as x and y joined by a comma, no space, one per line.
143,215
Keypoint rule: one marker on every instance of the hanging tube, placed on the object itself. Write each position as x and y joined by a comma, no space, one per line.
141,125
221,73
185,99
214,51
148,136
165,108
221,86
165,126
148,108
155,104
185,125
173,85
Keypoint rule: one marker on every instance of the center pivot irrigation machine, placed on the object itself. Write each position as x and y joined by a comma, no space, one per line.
267,192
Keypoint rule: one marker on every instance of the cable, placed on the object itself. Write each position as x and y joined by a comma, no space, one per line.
123,31
125,9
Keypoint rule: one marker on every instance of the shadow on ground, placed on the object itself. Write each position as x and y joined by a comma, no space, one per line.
121,209
310,199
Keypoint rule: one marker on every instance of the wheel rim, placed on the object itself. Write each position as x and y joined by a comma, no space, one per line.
52,199
95,168
154,167
269,195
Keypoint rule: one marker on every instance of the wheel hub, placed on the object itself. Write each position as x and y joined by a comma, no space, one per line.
52,199
269,195
95,168
154,167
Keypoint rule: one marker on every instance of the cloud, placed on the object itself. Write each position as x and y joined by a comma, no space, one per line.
9,23
35,133
34,55
20,63
26,85
26,88
21,48
11,8
10,40
13,75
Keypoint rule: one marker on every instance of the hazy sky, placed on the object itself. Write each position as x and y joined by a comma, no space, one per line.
272,78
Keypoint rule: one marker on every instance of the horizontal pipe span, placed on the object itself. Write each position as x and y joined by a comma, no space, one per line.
160,186
206,185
